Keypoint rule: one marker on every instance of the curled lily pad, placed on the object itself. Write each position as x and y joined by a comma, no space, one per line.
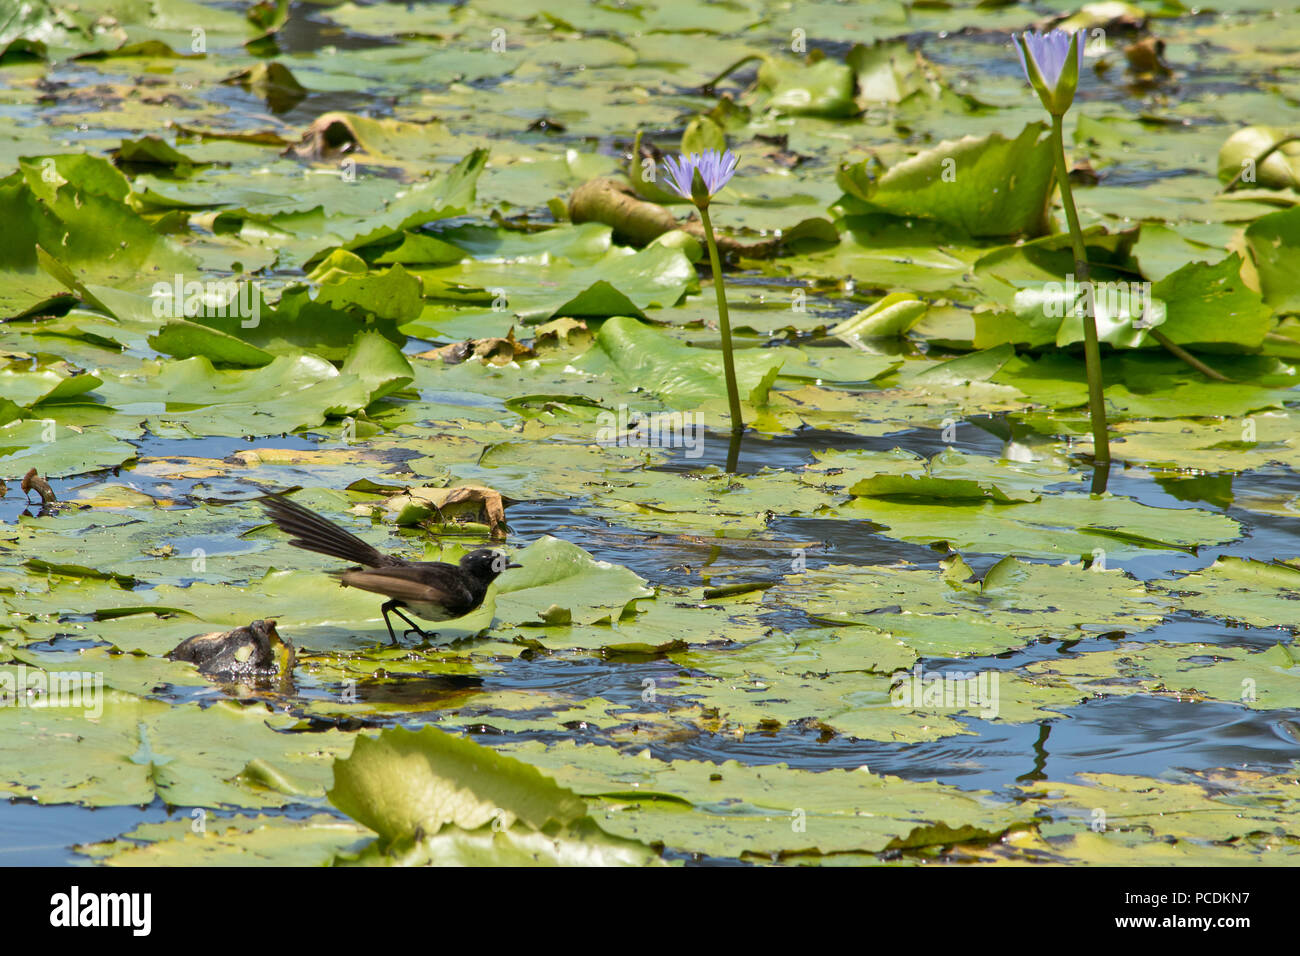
557,574
401,783
986,186
436,798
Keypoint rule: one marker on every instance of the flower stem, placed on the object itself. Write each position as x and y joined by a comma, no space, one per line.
750,58
724,320
1188,357
1091,347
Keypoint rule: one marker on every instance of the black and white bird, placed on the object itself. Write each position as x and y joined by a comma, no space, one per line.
432,590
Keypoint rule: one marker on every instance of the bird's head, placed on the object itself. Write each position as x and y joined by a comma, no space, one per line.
486,564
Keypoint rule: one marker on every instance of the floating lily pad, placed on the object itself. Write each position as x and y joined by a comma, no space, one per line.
230,841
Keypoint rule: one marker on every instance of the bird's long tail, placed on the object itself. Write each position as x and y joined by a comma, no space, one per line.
313,533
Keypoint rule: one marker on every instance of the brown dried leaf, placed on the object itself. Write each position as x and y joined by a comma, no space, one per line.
463,502
492,351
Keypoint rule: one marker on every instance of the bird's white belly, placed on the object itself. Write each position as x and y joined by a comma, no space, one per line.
430,612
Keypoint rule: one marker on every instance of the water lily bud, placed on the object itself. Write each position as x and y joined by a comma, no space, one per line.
1051,62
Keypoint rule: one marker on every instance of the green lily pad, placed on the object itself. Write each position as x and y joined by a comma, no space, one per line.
1274,242
821,88
623,283
1258,593
134,750
556,574
938,614
230,841
58,451
680,375
287,394
731,810
985,186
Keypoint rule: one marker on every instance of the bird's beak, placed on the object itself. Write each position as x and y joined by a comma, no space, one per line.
509,566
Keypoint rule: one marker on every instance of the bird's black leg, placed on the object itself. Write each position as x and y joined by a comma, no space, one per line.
385,608
395,606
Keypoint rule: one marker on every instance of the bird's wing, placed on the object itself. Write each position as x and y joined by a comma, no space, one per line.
429,583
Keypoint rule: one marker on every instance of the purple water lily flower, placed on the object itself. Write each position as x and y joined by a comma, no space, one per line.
1047,67
715,168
